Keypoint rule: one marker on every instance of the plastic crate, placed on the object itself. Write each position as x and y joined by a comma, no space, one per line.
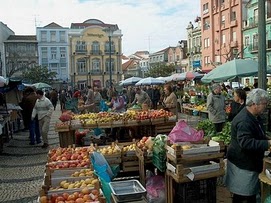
201,191
159,161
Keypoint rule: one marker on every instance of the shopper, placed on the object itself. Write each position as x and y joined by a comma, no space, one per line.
117,103
97,100
62,99
216,107
54,97
246,150
238,103
44,109
33,124
170,99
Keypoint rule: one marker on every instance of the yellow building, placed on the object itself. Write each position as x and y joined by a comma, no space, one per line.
90,56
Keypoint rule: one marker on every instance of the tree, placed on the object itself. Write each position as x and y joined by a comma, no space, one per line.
39,74
160,70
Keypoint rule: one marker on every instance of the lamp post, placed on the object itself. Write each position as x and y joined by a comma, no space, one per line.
109,31
74,74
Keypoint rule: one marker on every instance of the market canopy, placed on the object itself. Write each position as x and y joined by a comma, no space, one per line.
41,85
236,68
150,81
130,81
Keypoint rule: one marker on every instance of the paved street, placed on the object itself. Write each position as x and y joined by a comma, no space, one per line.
22,166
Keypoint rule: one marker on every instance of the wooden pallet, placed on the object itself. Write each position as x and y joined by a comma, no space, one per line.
164,128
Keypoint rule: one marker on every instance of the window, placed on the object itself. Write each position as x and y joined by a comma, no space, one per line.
255,16
62,52
205,8
217,58
53,52
246,41
96,66
255,42
268,8
81,46
43,36
107,47
206,42
62,36
233,16
95,47
107,65
206,24
234,38
223,19
53,36
81,66
223,39
207,60
44,52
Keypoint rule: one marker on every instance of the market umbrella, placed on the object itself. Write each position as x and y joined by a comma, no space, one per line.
150,81
130,81
233,69
41,85
189,75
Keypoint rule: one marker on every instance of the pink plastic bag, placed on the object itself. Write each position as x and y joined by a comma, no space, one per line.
184,133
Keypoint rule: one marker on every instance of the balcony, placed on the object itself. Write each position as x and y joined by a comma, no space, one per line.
96,52
234,44
233,23
81,51
252,22
96,72
106,51
253,48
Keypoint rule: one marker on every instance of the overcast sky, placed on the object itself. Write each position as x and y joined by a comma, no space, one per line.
150,25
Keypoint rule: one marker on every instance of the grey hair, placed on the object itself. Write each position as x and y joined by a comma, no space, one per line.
215,86
256,96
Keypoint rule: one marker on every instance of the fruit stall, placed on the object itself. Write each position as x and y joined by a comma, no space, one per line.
137,123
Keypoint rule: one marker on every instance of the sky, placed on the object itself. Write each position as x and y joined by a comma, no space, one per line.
146,25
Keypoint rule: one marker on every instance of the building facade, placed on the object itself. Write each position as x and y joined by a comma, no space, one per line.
194,45
5,32
221,32
53,50
90,55
21,52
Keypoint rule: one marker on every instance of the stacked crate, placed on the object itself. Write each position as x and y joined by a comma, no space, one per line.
195,165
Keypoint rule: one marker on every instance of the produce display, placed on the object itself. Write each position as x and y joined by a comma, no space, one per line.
62,125
66,154
109,150
85,195
68,164
131,147
66,184
145,144
83,173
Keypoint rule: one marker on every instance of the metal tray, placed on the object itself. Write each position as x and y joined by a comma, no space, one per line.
127,190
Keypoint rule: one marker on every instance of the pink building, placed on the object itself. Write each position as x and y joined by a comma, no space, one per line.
221,32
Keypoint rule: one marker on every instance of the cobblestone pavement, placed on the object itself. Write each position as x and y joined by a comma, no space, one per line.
22,166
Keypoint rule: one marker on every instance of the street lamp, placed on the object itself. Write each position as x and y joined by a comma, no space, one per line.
109,31
74,74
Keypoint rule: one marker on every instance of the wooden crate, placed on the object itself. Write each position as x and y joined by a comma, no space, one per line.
66,138
164,128
202,171
179,156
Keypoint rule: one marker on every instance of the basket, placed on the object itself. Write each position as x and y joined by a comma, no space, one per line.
203,191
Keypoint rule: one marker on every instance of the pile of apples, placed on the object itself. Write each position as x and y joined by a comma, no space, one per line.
69,164
109,150
66,154
83,172
160,114
131,147
88,182
86,195
146,143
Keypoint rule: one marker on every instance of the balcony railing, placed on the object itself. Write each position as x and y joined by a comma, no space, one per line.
81,51
96,52
106,51
96,72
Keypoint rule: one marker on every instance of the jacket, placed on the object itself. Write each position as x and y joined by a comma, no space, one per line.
216,108
42,108
248,142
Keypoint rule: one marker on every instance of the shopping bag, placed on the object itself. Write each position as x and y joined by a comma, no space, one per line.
184,133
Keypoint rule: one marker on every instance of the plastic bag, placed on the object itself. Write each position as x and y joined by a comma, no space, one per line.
184,133
155,187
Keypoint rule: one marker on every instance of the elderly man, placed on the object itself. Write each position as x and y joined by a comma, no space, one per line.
247,148
44,109
216,107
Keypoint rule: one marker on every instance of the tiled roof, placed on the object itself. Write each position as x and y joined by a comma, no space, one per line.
22,38
128,64
53,25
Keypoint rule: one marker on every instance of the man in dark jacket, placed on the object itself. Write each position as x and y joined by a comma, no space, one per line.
28,105
247,147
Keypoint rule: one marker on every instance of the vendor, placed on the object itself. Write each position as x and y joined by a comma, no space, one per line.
117,103
170,99
141,97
